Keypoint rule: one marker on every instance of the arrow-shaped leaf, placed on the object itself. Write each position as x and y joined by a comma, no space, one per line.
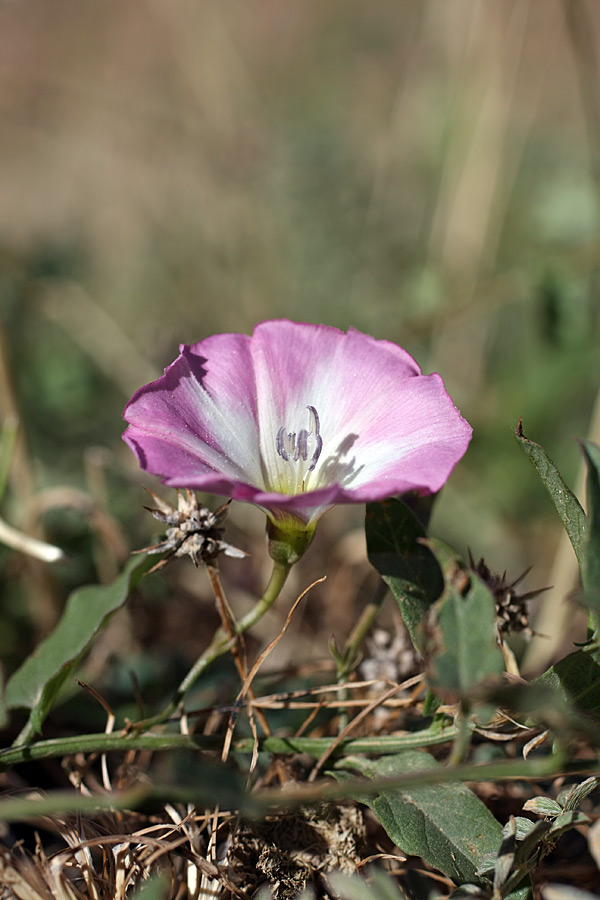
36,684
407,566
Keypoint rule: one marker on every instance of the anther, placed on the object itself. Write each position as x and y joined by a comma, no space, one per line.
280,448
297,446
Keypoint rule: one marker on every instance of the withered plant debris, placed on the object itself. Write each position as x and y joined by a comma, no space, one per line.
290,851
107,857
390,656
193,531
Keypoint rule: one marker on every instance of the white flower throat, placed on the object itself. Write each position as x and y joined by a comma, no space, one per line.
302,447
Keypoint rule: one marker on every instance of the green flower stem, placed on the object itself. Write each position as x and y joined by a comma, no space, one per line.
462,741
275,586
221,644
315,747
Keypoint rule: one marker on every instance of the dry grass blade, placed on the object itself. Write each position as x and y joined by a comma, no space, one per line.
317,707
356,721
258,663
375,856
23,884
287,699
534,743
110,724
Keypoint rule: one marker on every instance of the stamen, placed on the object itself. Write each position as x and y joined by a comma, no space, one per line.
302,446
317,453
318,439
297,446
280,448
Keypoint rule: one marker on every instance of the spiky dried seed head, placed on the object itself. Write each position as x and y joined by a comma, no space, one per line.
511,608
193,530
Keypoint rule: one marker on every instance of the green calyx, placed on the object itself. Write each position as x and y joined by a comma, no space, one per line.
289,538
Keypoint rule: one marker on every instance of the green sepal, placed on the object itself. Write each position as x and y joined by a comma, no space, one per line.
289,538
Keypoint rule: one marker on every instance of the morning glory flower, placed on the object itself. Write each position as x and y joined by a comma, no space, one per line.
296,418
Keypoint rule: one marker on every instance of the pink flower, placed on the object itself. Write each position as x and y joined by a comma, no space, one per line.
295,419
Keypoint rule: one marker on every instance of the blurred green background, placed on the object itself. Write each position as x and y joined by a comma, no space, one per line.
424,170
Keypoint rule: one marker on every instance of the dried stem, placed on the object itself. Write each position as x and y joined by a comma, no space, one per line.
238,649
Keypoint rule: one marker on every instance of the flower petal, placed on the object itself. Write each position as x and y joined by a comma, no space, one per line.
361,419
199,418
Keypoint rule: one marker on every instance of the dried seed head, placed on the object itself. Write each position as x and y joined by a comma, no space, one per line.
511,608
193,530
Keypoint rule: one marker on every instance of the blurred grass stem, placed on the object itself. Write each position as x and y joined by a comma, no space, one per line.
43,600
10,536
8,439
361,629
580,31
350,655
555,614
24,543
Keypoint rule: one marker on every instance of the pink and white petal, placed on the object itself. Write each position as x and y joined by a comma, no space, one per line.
411,439
203,412
185,467
297,365
300,365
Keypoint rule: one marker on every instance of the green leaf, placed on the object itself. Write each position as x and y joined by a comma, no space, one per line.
574,796
380,886
591,564
407,566
445,824
568,820
157,887
534,837
36,684
463,646
543,806
567,505
524,827
524,892
506,856
575,679
469,892
487,864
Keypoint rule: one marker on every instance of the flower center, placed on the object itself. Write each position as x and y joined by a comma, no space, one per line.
303,446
